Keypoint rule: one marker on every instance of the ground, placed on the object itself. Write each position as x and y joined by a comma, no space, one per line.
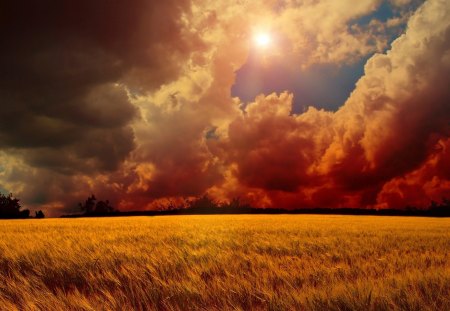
226,262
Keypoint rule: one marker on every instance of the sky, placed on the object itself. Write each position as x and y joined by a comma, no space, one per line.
281,103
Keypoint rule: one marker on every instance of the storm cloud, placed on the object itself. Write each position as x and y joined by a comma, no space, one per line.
133,101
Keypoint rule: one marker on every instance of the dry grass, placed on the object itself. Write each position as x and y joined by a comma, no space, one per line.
281,262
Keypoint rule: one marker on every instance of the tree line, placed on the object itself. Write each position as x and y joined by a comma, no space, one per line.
10,208
206,205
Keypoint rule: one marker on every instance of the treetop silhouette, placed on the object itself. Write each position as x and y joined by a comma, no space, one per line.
10,207
93,207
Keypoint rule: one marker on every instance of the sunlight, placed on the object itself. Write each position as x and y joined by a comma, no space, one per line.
262,39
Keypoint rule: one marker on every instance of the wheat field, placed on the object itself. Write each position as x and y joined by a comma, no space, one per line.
227,262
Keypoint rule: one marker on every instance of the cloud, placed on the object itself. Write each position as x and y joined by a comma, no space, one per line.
133,101
67,72
268,137
397,112
66,65
430,181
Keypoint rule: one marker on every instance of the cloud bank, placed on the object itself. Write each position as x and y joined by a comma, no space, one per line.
133,102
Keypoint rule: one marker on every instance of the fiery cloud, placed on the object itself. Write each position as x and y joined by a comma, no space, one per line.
133,102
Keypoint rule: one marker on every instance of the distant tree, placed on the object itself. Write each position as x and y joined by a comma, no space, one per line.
433,205
10,207
24,214
39,214
410,208
92,207
442,208
89,205
203,203
103,207
446,203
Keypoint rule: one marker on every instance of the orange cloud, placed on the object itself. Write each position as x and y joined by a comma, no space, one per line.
140,110
385,129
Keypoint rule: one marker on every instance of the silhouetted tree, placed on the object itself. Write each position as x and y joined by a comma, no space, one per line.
410,208
446,203
203,203
91,207
434,205
440,209
24,214
10,207
39,214
103,207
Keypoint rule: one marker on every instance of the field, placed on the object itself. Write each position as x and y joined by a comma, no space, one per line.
262,262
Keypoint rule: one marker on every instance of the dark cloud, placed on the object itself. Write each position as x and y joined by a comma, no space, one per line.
268,137
64,65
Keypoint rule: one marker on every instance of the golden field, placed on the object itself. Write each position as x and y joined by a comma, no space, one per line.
226,262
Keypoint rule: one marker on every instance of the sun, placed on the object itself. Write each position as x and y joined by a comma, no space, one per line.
262,39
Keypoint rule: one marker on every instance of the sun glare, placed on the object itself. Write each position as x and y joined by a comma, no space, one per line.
262,39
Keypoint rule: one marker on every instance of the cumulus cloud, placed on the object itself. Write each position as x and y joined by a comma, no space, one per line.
397,113
133,101
430,181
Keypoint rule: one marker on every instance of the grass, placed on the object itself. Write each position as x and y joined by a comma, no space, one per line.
227,262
